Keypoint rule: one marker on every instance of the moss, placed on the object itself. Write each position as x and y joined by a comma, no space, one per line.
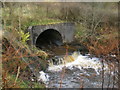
34,22
46,21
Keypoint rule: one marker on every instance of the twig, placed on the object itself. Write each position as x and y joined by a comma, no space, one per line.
114,77
109,79
98,23
102,74
5,80
63,72
18,72
93,19
82,84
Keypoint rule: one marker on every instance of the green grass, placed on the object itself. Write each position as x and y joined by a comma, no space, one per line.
44,22
34,22
23,83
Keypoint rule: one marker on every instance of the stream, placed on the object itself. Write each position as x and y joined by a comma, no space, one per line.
77,70
84,71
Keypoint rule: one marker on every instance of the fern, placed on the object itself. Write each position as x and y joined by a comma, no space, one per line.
24,37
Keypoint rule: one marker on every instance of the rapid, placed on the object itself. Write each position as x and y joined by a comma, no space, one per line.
79,71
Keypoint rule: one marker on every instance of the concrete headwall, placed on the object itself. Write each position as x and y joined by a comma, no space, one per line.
65,29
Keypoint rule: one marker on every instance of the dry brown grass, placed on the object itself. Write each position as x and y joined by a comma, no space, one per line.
107,43
13,53
104,48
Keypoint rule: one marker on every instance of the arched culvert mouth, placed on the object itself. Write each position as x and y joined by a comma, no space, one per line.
49,37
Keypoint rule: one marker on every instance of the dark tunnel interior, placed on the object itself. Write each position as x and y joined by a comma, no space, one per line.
49,37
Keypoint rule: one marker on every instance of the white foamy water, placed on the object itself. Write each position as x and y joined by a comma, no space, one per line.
43,77
80,63
72,78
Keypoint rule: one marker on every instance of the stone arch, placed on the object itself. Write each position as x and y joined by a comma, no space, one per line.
49,37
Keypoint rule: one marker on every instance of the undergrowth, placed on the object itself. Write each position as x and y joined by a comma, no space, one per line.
16,58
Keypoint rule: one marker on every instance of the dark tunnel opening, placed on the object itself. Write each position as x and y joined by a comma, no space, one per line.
49,37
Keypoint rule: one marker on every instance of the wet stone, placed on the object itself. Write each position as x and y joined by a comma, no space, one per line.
59,82
90,70
68,71
75,81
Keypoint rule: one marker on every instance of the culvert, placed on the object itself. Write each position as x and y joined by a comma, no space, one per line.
49,37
